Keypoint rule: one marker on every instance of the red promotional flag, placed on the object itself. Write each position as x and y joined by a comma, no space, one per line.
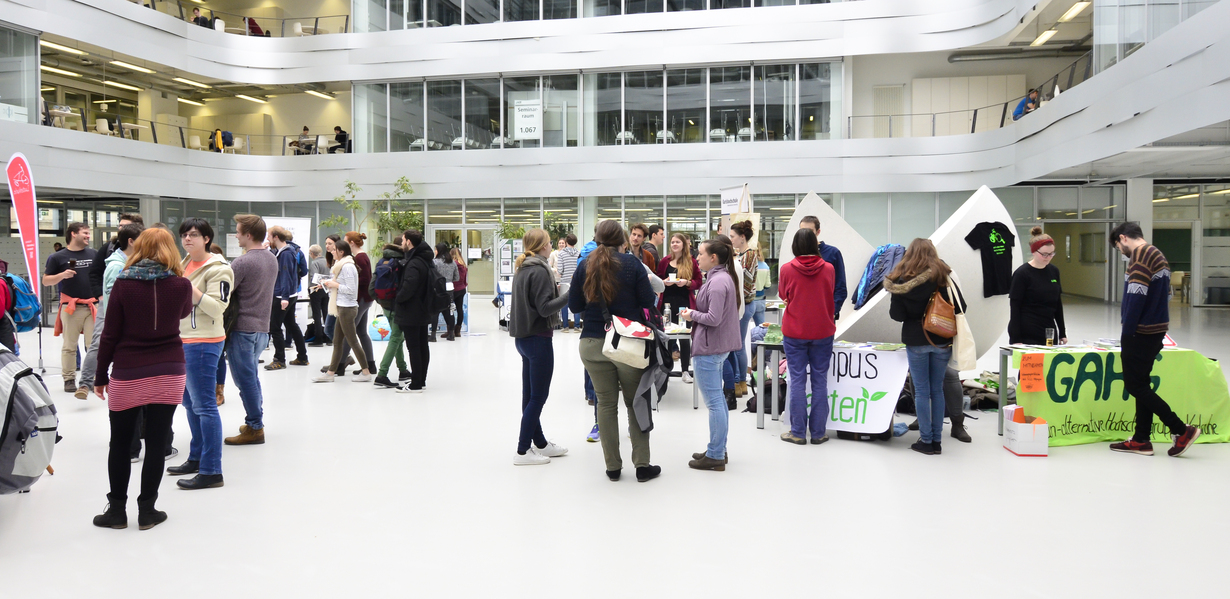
21,189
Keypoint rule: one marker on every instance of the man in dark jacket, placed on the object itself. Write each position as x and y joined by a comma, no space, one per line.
413,309
291,268
832,255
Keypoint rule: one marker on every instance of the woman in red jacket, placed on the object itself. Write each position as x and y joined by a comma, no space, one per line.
806,284
680,292
141,347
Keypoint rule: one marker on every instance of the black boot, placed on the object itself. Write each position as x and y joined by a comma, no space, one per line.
959,433
148,517
647,473
116,515
731,402
450,336
200,481
457,330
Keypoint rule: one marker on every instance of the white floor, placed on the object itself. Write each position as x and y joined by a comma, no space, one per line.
359,491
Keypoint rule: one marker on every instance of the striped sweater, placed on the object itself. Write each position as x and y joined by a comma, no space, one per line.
1146,294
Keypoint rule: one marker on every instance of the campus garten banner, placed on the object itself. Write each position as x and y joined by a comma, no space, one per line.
21,190
864,385
1080,394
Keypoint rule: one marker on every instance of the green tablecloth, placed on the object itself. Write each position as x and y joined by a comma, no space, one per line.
1084,400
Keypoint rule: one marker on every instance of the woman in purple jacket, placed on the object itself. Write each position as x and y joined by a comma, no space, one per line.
715,333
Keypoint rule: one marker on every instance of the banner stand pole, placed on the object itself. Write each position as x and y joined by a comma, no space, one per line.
41,369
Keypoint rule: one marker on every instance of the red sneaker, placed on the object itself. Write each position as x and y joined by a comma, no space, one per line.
1182,442
1133,446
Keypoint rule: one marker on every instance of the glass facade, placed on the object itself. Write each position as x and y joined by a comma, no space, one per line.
685,105
19,77
1120,27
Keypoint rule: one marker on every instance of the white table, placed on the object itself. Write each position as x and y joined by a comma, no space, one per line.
130,126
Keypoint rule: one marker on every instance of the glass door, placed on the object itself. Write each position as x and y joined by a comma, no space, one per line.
477,244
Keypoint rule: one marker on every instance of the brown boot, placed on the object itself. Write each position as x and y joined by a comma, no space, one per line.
247,436
221,398
740,389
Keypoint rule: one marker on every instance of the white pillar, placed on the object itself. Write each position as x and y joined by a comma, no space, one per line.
1140,204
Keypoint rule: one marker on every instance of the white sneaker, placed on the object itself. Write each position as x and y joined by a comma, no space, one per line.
361,378
551,450
687,378
531,458
324,378
405,388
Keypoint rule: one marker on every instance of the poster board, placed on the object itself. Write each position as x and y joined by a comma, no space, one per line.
864,385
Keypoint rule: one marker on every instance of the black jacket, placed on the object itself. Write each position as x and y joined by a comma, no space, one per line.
535,301
909,304
99,267
413,306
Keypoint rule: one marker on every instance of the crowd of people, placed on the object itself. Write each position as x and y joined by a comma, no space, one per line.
162,330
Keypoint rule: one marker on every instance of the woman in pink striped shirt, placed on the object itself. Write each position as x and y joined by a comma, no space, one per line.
141,367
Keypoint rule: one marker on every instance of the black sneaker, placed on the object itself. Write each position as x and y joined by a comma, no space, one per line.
384,383
647,473
403,375
923,448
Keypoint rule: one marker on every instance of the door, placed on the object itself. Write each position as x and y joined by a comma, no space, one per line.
477,245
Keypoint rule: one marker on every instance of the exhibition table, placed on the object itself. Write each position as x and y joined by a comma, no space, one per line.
1079,392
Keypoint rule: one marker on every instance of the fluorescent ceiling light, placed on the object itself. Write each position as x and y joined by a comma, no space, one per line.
120,63
1188,196
1043,37
1160,200
251,99
58,71
319,95
1074,11
122,85
46,89
638,209
480,211
55,46
104,101
1217,193
192,102
191,82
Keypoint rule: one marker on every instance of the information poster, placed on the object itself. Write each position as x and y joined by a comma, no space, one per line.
527,120
864,385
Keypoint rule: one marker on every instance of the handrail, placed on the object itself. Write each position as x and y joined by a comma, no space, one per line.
985,118
238,24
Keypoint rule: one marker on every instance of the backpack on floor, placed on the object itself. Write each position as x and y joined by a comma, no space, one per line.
24,308
782,392
28,432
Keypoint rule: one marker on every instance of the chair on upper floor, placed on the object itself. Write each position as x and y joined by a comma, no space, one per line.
194,142
237,148
101,126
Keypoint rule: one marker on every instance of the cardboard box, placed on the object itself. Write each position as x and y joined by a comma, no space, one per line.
1027,440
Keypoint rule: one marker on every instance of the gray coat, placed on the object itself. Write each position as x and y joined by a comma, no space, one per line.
535,301
447,269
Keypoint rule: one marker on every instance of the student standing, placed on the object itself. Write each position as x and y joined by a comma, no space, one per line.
203,335
141,369
1146,318
744,270
536,302
566,265
715,333
638,237
681,275
344,289
657,236
413,310
97,275
317,295
912,283
832,255
255,272
391,258
806,284
1035,296
459,290
292,266
363,265
69,270
443,263
617,281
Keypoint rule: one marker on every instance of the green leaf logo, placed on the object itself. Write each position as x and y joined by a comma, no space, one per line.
866,394
878,395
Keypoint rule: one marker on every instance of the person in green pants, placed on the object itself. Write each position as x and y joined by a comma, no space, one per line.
391,260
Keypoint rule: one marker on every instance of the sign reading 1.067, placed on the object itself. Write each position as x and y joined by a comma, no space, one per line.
527,120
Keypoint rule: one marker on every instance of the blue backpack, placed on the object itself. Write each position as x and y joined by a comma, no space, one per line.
228,139
385,281
25,309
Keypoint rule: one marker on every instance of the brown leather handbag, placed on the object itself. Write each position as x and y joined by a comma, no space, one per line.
940,318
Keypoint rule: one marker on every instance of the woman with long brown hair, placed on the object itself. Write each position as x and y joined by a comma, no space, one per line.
680,273
141,368
610,282
459,289
918,277
362,265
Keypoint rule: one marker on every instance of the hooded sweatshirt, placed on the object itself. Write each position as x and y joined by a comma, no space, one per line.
114,265
288,283
806,284
142,325
215,279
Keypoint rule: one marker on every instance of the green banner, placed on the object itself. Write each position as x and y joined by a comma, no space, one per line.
1083,399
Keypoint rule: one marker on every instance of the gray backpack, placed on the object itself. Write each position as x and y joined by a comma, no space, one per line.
28,432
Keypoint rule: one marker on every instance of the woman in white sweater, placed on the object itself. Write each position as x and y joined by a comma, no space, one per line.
344,304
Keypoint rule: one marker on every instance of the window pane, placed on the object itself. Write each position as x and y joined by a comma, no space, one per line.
729,3
520,10
634,7
817,87
685,105
559,9
444,212
442,13
602,108
482,113
560,125
559,217
482,11
913,216
775,212
868,214
643,106
523,211
774,90
602,8
1097,203
678,5
642,209
1176,202
608,208
406,118
1057,203
685,214
729,96
405,14
520,89
1020,203
776,2
370,118
950,201
444,127
482,211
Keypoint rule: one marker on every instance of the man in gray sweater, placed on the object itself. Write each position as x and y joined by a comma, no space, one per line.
255,273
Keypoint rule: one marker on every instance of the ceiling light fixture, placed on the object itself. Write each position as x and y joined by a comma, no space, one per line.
58,71
122,86
55,46
104,101
251,99
1044,37
1188,196
319,95
192,83
1218,193
1076,9
120,63
46,89
192,102
1160,200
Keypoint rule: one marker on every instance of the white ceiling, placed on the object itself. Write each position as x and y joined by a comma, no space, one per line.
1200,153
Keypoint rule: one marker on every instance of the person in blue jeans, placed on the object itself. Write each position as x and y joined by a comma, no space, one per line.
744,264
806,285
715,333
919,276
536,302
255,274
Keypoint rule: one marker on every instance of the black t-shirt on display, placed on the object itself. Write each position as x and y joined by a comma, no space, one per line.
77,286
996,241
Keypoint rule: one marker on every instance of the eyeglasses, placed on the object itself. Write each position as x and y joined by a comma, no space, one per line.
1046,254
190,235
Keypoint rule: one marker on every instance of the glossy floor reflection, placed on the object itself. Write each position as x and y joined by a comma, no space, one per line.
359,492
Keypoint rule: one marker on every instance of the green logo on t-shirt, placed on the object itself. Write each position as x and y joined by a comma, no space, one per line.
998,245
